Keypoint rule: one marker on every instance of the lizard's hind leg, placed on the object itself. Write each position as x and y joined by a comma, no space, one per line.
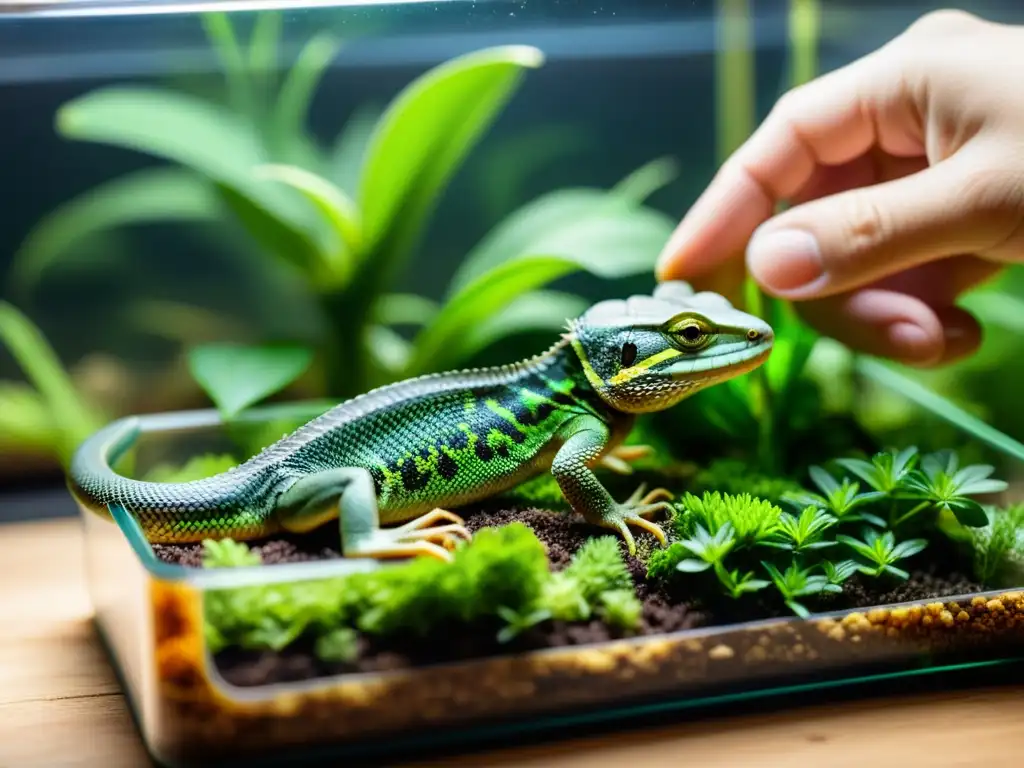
348,493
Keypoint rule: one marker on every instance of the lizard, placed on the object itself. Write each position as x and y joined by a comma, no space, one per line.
389,463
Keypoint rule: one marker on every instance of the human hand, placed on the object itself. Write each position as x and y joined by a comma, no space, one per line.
905,173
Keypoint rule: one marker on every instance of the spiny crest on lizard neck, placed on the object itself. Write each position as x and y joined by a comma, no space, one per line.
646,353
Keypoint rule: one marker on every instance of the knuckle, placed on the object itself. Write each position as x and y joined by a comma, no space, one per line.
868,227
945,22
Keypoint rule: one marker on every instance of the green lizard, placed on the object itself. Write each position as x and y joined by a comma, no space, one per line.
403,453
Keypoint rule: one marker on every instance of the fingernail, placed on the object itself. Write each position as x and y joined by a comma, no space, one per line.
784,260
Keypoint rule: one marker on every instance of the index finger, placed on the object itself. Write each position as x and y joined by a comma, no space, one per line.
829,121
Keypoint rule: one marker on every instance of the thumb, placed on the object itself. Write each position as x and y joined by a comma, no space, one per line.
964,204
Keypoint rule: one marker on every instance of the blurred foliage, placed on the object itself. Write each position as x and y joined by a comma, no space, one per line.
345,219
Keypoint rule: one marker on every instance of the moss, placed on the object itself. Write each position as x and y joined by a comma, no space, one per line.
735,477
196,468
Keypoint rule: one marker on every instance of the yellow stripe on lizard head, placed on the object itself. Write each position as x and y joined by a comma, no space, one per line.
592,376
628,374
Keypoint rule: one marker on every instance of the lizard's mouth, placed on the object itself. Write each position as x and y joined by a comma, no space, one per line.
727,362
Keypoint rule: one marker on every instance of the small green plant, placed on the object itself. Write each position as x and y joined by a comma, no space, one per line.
881,551
798,582
751,520
707,550
942,483
730,541
843,500
804,533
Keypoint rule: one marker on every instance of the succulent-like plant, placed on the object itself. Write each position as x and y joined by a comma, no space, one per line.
797,582
804,533
941,482
881,551
844,500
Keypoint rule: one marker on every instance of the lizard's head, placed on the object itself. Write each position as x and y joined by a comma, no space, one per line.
646,353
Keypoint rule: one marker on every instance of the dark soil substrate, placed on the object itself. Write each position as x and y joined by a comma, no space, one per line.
563,535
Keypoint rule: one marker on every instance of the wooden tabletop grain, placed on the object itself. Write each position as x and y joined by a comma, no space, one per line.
61,706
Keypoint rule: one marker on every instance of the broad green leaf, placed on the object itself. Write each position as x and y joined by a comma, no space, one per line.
150,195
646,180
617,244
301,83
513,159
519,232
536,311
26,423
349,151
404,309
608,235
221,146
429,129
891,379
484,297
44,371
236,376
338,211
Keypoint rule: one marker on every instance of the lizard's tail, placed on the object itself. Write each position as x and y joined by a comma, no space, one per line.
91,476
94,483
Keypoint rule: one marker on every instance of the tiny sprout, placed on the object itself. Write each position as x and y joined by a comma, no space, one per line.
516,623
708,549
886,472
799,582
799,534
228,553
942,482
737,584
837,573
881,551
839,499
621,608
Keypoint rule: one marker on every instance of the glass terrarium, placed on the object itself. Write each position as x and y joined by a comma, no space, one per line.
233,653
272,211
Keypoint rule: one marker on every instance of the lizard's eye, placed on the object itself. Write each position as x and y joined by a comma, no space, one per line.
691,333
691,336
628,354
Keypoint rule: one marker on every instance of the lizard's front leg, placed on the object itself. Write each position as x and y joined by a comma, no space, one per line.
348,493
584,438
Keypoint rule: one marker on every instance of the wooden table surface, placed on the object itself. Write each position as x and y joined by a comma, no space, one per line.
60,704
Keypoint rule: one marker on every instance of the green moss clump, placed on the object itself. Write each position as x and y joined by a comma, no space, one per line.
196,468
735,477
541,491
501,575
998,548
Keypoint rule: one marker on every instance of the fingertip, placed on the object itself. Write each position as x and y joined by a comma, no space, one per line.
962,332
911,344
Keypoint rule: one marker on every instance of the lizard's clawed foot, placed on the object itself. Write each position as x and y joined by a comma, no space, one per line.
618,459
634,511
418,537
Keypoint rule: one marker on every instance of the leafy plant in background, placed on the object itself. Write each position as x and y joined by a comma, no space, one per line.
346,219
741,545
45,415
